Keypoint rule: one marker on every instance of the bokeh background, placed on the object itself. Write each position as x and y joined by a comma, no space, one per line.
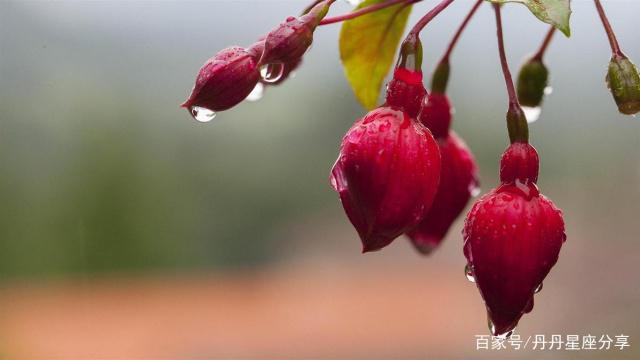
128,230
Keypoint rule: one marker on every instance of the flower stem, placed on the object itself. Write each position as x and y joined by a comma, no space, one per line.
428,17
613,41
364,11
454,40
545,44
516,121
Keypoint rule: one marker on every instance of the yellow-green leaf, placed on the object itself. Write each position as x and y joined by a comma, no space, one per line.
554,12
368,47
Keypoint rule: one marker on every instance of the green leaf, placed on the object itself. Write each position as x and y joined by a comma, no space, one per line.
554,12
368,47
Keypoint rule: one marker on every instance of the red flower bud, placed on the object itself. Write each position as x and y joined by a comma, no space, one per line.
512,239
436,114
292,38
386,175
458,183
224,81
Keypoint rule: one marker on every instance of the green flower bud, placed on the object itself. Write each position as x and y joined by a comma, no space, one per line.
624,82
532,81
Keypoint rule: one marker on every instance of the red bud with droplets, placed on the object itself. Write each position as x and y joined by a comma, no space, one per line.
458,182
225,80
388,170
288,42
512,239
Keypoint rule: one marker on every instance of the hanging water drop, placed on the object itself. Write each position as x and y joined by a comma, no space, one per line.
468,272
537,290
548,90
256,94
493,330
202,115
474,189
272,72
532,113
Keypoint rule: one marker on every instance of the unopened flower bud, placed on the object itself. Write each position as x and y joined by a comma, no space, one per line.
387,175
225,80
532,81
292,38
512,239
624,82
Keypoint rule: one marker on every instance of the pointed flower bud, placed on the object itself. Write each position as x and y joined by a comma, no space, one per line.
386,175
458,176
292,38
458,183
624,82
389,166
224,80
512,239
532,81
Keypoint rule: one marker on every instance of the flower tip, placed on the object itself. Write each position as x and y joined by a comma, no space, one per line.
426,244
373,243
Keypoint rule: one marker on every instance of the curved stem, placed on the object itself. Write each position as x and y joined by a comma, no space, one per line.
516,121
428,17
364,11
311,6
454,40
545,44
613,41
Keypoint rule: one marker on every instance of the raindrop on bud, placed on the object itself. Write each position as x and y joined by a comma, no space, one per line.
256,94
468,272
272,72
532,113
201,114
537,290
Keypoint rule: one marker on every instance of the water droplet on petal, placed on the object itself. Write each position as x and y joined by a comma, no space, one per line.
548,90
532,113
492,328
256,94
202,115
537,290
468,272
474,189
272,72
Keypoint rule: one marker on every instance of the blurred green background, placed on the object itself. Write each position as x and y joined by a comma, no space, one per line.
102,174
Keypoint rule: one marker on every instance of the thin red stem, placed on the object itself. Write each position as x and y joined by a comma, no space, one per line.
516,120
428,17
613,41
513,98
364,11
545,44
454,40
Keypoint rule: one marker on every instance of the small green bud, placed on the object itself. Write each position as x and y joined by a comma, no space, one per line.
440,78
532,80
624,82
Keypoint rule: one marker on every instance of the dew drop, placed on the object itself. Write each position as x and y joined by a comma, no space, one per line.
272,72
537,290
532,113
492,328
474,189
256,94
201,114
548,90
468,272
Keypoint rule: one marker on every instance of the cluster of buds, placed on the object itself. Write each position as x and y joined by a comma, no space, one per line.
233,73
402,170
